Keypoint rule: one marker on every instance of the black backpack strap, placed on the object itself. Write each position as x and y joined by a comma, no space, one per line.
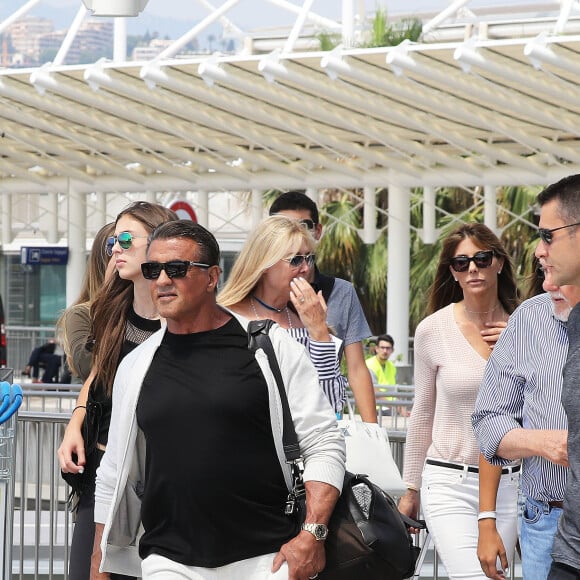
258,337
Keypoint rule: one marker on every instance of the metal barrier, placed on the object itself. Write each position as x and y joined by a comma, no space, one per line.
42,523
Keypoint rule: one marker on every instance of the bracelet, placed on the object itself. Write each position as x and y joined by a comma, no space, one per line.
78,407
487,515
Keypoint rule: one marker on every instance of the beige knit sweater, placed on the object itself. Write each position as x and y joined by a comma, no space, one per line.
448,373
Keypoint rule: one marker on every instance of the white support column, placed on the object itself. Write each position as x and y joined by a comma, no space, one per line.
347,22
77,235
257,207
52,230
490,208
369,231
398,269
203,209
6,218
101,209
429,221
120,39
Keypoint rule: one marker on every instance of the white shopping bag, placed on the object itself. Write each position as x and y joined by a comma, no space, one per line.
368,451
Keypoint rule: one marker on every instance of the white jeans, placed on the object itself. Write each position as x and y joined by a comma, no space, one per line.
450,501
156,567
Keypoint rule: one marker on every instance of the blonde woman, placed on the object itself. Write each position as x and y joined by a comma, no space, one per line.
268,280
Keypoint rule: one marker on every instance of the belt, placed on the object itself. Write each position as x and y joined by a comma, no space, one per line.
471,468
556,504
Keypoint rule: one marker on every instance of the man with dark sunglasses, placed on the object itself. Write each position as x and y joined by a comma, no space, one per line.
559,254
193,449
345,314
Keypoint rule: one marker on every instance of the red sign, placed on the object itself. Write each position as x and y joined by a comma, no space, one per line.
183,210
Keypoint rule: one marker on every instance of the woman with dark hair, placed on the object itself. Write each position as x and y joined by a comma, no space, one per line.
74,325
470,300
123,316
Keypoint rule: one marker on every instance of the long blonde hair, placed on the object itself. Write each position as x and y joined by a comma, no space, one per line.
275,238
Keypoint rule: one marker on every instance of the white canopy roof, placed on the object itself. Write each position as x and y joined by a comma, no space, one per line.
458,113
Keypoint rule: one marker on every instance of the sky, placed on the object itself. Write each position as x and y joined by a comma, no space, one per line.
177,16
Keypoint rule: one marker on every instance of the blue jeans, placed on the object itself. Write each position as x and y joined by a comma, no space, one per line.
538,527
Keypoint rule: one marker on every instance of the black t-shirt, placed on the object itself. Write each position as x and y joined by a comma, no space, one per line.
214,491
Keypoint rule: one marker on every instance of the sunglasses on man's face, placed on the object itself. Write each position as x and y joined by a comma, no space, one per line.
173,269
297,260
480,259
547,236
125,240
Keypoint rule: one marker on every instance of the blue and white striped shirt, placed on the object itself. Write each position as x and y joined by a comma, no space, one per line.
324,356
522,387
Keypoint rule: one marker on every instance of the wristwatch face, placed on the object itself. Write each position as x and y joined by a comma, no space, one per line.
319,531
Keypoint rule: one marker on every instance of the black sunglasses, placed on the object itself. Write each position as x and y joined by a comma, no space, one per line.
546,235
125,240
480,259
173,269
297,260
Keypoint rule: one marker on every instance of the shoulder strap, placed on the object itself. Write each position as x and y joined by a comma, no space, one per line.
258,337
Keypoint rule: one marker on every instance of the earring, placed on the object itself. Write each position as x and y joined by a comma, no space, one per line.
455,279
498,272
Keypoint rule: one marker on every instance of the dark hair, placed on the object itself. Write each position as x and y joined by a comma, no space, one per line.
445,290
295,200
567,193
209,251
386,338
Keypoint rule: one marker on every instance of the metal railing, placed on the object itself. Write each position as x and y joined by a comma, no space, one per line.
42,523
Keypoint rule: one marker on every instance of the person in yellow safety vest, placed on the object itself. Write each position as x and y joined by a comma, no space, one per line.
383,371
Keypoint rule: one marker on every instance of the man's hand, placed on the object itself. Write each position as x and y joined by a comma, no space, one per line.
551,444
555,446
489,547
305,557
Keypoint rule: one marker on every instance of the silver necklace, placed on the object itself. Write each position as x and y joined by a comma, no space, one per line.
258,318
483,311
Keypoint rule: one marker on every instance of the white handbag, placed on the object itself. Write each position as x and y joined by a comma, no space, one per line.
368,451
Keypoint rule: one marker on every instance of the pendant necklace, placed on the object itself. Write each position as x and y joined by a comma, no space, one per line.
483,311
268,307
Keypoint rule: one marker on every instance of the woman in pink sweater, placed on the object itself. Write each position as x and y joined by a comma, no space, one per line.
470,300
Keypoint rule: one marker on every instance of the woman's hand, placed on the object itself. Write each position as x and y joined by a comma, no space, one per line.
409,505
311,309
72,442
492,332
489,547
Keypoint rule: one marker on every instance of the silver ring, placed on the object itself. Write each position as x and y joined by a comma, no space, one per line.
301,302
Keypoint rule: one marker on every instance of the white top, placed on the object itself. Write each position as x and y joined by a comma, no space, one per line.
448,373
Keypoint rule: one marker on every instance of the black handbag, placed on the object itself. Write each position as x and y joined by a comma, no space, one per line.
368,537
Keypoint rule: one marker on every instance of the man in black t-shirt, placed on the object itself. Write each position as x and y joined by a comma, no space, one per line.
194,451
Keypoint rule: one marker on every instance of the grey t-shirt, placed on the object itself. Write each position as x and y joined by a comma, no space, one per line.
345,314
566,542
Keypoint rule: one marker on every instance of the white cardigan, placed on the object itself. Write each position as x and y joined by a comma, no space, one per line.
121,473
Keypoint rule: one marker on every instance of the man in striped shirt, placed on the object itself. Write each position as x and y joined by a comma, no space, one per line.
518,415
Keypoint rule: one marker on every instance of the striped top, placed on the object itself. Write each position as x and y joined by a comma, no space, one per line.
324,356
522,387
448,373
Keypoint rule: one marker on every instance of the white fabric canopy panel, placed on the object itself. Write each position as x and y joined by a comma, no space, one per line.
473,113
